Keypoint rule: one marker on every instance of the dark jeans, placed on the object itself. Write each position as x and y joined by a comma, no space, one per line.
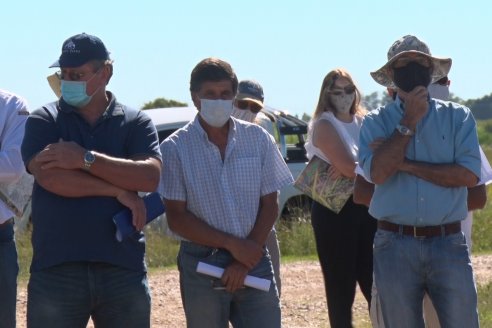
344,242
67,295
8,275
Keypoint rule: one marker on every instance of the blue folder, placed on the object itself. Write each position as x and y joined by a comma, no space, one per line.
123,219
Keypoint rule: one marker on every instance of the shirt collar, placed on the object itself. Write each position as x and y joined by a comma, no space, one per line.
114,108
231,137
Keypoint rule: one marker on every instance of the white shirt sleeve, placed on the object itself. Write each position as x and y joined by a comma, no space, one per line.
486,170
13,116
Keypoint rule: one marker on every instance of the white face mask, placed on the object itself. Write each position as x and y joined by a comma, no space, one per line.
244,114
438,91
215,112
343,102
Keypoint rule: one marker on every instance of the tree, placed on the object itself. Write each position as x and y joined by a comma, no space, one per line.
306,117
371,101
162,103
481,107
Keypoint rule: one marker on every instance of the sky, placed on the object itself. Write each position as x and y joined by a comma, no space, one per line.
287,46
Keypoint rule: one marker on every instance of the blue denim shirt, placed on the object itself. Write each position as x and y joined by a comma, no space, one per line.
445,135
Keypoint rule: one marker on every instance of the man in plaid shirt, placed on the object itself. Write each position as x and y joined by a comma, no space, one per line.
220,182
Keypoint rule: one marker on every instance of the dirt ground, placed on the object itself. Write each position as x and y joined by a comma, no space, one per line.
303,300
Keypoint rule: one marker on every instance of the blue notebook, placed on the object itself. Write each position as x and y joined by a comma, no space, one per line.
123,219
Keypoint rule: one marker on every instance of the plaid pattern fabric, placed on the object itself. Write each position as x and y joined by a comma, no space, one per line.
225,194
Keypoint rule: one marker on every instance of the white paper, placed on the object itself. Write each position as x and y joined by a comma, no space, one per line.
217,272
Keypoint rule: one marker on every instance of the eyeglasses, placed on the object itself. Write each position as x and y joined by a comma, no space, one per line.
245,104
349,89
443,81
73,76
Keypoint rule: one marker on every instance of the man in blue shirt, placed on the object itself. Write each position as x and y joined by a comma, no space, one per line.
89,155
430,155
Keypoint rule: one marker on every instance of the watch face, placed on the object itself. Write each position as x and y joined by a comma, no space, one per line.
89,157
404,130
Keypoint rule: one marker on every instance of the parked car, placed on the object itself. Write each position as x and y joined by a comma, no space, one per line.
289,133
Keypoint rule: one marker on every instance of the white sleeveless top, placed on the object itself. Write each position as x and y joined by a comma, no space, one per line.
348,132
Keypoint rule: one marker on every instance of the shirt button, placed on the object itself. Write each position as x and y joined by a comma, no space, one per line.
421,199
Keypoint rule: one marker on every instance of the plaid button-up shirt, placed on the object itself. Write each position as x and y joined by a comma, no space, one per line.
223,193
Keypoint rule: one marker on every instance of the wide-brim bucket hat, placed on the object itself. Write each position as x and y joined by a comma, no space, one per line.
410,45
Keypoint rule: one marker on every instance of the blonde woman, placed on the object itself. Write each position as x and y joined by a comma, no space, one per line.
343,240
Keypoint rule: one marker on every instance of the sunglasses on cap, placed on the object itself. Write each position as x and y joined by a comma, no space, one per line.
245,104
349,89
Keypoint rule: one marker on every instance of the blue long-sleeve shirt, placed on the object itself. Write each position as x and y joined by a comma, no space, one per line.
445,135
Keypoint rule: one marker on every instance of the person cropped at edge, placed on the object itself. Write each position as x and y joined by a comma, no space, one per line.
428,157
476,199
247,107
89,155
13,115
220,182
343,240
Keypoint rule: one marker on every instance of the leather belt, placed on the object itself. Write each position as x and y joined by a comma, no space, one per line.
426,232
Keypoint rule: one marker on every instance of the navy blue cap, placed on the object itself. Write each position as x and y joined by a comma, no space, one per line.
79,49
250,90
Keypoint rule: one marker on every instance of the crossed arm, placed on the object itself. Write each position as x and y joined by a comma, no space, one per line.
363,190
58,168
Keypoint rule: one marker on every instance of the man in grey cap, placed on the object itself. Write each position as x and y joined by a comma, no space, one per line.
90,155
428,158
249,103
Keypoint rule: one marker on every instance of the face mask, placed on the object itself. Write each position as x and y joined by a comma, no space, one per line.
244,114
343,102
215,112
438,91
410,76
75,92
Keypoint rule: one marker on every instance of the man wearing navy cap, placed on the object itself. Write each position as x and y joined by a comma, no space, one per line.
89,155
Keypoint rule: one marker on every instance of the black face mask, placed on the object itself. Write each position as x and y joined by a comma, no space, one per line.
410,76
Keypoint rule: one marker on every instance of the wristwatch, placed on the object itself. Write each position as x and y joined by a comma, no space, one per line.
89,159
404,130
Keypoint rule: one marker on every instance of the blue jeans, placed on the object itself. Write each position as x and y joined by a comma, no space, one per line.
206,306
9,269
67,295
406,267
